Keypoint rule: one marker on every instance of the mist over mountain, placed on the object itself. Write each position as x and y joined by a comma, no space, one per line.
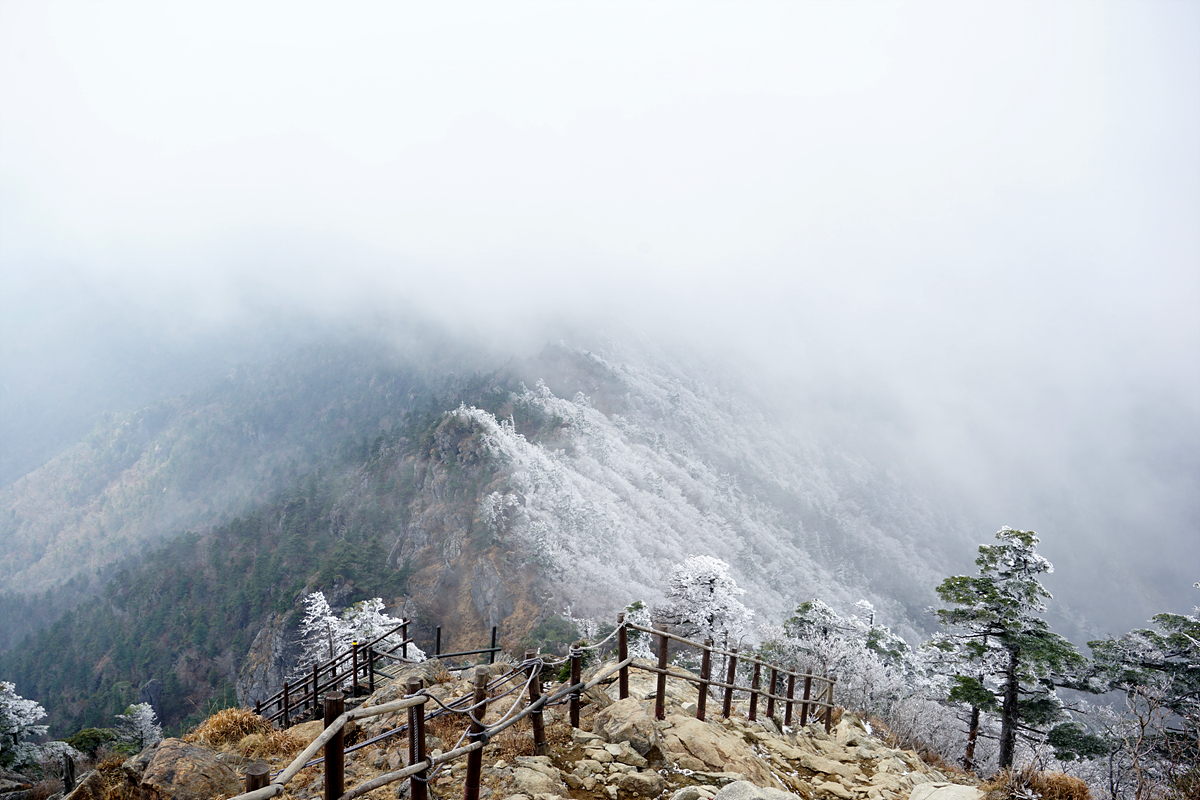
503,313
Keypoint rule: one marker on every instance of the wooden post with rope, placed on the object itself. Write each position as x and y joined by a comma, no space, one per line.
475,757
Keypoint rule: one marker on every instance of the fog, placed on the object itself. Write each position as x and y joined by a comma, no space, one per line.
966,236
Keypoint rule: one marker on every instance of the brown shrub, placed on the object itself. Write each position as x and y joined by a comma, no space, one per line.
274,743
228,726
1018,784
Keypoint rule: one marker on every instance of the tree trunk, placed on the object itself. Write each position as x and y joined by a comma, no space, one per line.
972,735
1009,714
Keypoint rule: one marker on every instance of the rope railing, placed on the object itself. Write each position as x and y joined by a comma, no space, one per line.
424,767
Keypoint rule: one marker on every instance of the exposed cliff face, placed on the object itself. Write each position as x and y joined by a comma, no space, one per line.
273,656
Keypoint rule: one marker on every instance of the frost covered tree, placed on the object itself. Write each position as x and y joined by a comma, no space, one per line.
875,667
139,727
702,599
18,723
324,633
1006,658
1158,669
367,619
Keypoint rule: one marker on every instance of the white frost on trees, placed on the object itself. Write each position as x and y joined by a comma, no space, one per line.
324,634
321,631
18,722
139,726
702,599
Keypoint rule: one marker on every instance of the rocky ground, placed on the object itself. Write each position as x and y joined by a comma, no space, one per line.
619,753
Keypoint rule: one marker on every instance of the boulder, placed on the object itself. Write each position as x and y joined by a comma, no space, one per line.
642,784
627,721
745,790
182,771
945,791
533,782
719,750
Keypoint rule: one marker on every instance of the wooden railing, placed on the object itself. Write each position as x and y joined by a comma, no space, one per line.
474,708
352,669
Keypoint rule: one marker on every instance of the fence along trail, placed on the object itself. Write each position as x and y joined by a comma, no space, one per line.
473,708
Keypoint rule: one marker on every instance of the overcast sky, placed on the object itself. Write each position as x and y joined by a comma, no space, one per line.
987,212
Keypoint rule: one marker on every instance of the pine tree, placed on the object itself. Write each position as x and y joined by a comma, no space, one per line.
1008,658
19,719
139,726
702,598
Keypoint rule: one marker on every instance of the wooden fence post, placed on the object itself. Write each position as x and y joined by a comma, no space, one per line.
404,640
371,669
418,782
727,708
437,642
68,773
754,686
354,669
622,654
286,706
258,707
660,693
492,652
804,705
829,700
791,694
335,749
316,680
771,694
475,757
540,748
705,675
576,668
258,775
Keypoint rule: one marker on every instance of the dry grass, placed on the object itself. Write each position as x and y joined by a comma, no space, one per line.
228,727
1023,783
274,743
116,783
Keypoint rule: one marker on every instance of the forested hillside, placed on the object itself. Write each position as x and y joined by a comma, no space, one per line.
567,483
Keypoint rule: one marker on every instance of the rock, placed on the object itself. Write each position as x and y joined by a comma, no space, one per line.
745,790
718,749
686,793
489,595
135,767
643,784
90,787
627,721
586,738
532,782
831,789
945,791
597,697
718,778
182,771
272,653
829,767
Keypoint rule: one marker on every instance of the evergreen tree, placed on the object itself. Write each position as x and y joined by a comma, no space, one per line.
702,598
19,720
1008,659
1158,669
139,727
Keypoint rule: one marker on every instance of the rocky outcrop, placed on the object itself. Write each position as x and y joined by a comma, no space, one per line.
171,770
182,771
629,721
273,652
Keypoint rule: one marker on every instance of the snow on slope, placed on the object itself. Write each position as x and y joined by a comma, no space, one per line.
617,499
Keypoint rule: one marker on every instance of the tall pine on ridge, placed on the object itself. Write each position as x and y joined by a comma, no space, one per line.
995,629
